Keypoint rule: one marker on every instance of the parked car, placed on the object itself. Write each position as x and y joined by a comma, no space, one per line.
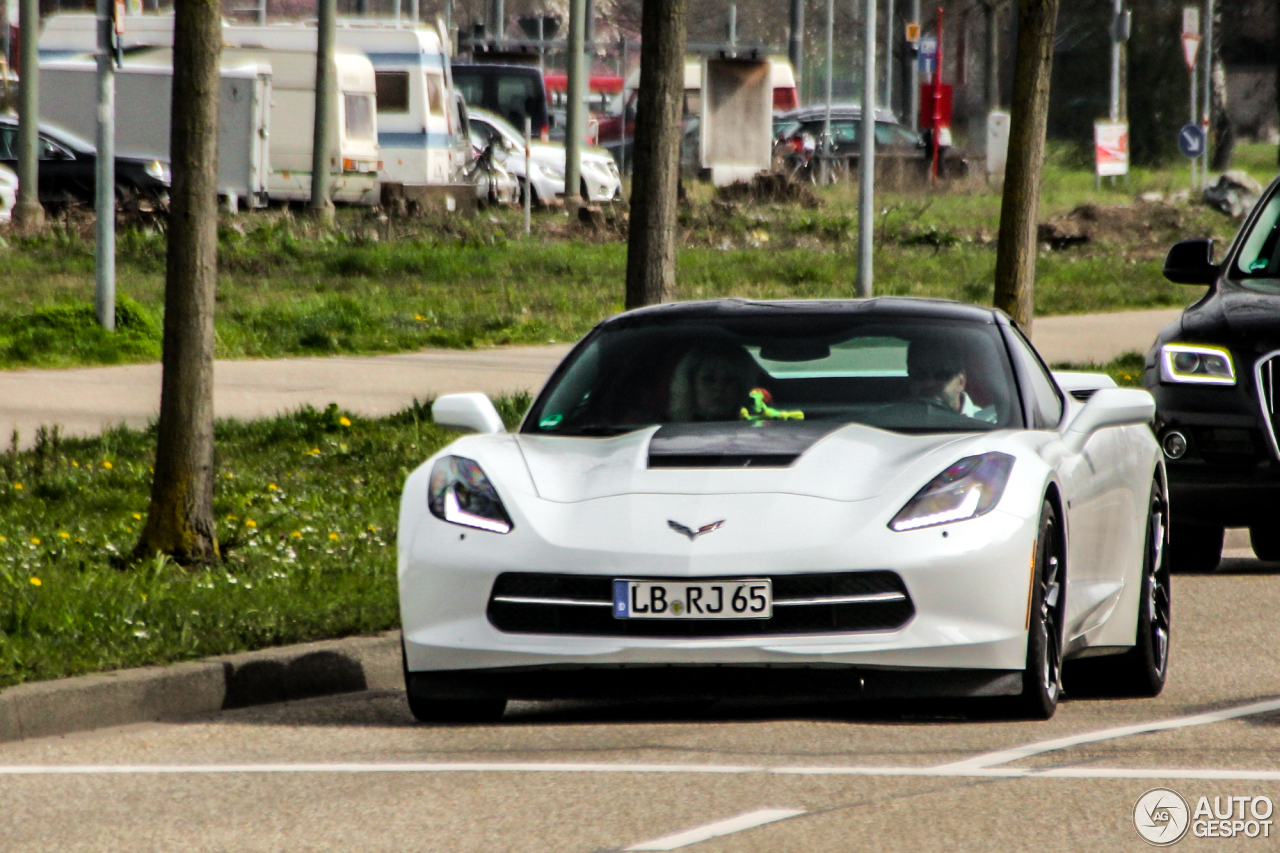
495,184
600,178
1215,374
802,130
510,91
882,498
67,165
8,193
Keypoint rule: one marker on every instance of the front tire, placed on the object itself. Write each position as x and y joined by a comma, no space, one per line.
1042,678
427,710
1195,548
1141,671
1265,542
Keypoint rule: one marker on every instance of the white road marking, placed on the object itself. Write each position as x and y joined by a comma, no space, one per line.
715,830
1004,756
943,771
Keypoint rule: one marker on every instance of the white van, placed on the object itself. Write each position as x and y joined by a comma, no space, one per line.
420,133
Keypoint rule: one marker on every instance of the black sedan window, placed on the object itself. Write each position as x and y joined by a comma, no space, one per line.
907,375
1258,264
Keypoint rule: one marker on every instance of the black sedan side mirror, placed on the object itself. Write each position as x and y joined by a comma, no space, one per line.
1191,262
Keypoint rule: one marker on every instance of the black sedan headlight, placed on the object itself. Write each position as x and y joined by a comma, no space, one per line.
1196,364
460,493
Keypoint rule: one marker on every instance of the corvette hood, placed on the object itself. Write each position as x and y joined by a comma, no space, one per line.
849,463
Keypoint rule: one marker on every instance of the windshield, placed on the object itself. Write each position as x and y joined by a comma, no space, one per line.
1257,267
901,374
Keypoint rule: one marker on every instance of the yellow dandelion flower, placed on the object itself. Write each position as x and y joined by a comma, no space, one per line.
297,534
344,420
2,539
371,528
75,464
249,522
64,534
273,487
106,463
137,516
144,596
18,486
231,518
333,537
35,581
35,540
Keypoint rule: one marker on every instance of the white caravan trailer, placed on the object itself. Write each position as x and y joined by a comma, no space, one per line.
69,99
353,160
420,133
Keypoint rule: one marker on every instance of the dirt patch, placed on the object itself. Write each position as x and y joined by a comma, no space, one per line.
769,188
1145,230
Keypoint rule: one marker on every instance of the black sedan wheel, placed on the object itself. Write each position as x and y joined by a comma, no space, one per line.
1142,670
1042,678
1265,540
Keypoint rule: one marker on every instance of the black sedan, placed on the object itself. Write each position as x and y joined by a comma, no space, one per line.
1215,374
67,165
801,130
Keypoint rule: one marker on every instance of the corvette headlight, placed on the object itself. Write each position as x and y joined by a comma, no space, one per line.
158,170
968,489
1196,363
460,493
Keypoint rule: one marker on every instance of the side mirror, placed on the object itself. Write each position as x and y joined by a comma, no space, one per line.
1109,407
473,412
1191,262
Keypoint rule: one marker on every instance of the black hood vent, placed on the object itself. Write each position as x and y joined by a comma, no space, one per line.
763,444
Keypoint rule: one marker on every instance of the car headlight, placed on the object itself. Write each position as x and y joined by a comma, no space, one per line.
968,489
552,173
1196,363
460,493
158,170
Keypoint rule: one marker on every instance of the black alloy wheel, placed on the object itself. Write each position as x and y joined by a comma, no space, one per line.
1042,678
1143,670
427,710
1195,548
1265,540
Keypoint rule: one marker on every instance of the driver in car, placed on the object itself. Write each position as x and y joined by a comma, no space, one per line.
712,382
937,374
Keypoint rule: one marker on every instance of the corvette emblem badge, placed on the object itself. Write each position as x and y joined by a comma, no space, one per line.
690,532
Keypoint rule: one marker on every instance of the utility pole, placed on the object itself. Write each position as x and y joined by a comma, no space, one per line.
326,93
993,54
914,75
28,211
574,118
733,28
888,58
651,237
498,12
823,147
867,154
104,197
1117,12
1206,114
795,46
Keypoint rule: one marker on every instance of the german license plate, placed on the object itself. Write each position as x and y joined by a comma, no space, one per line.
747,598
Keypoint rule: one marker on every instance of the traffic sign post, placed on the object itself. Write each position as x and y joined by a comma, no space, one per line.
1190,51
1192,141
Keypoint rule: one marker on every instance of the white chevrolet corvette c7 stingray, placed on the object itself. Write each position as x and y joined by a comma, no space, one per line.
880,498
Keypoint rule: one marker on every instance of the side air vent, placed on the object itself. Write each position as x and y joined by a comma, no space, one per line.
739,460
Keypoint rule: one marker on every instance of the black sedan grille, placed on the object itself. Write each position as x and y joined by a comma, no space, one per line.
1267,374
845,602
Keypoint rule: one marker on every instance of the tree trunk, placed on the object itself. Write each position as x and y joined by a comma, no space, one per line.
1224,135
180,519
1016,249
651,239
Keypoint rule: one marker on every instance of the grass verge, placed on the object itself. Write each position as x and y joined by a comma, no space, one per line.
306,509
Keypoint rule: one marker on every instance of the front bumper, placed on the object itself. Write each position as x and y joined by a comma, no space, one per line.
968,583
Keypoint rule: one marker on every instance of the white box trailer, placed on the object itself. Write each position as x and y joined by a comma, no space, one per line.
420,133
737,119
69,99
354,159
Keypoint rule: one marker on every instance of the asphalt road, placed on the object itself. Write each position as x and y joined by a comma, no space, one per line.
355,773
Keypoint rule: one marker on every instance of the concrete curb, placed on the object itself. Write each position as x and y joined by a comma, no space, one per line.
185,690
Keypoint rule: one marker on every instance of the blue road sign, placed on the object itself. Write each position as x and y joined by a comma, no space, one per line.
1191,141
